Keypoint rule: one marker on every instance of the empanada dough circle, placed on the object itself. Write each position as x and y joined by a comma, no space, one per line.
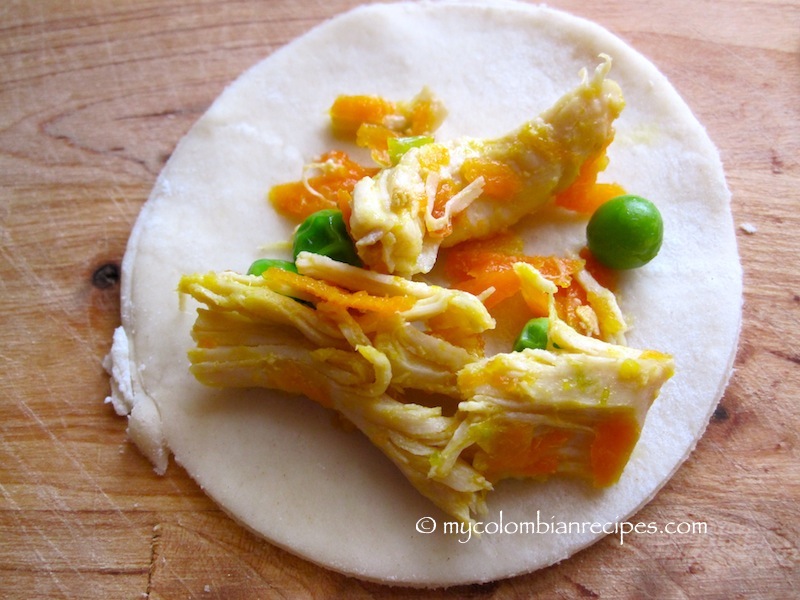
279,464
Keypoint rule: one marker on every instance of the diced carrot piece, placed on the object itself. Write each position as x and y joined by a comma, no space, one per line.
568,301
348,113
558,270
374,137
423,118
505,283
588,199
585,195
612,446
500,181
476,266
521,450
518,451
294,200
338,172
467,264
470,258
293,283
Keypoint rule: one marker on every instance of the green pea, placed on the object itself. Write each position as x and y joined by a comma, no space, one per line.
533,335
324,232
262,264
400,145
625,233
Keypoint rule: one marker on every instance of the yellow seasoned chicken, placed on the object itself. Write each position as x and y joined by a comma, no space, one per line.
402,361
410,364
440,194
575,408
354,341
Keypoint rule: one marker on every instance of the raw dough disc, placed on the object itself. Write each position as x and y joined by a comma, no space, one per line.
278,464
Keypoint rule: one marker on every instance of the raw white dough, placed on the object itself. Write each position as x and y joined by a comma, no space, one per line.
278,464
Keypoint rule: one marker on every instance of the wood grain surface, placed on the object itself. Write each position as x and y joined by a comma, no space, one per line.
94,95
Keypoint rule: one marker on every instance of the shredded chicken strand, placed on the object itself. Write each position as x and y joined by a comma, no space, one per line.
392,219
556,405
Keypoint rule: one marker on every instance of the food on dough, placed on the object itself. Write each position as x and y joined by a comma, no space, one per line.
426,367
440,194
368,344
376,123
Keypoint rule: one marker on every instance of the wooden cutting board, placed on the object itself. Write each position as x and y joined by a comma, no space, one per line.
94,96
